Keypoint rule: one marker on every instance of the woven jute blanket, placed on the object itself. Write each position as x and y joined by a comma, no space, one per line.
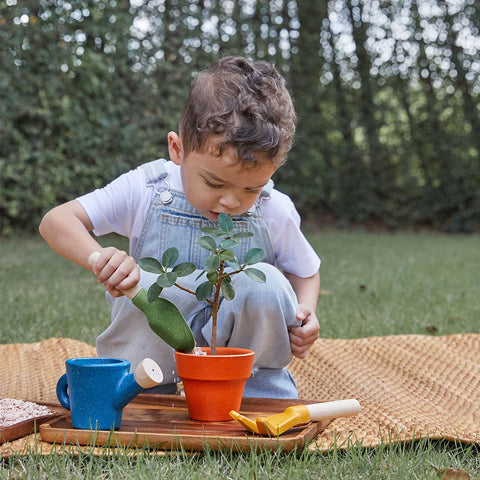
409,386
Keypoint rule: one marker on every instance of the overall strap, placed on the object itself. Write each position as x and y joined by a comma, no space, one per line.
155,170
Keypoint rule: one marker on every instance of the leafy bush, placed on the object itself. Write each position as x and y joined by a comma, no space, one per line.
86,94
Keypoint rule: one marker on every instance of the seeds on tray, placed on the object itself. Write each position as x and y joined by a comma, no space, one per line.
13,411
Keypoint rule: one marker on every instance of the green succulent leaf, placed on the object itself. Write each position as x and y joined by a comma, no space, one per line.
153,292
254,255
242,235
211,263
204,291
228,291
225,223
169,257
228,243
212,277
234,264
151,265
216,232
256,275
208,243
167,280
227,255
184,269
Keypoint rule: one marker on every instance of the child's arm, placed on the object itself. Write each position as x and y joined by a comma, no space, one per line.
66,229
307,291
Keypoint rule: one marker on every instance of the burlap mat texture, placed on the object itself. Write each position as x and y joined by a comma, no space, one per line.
409,386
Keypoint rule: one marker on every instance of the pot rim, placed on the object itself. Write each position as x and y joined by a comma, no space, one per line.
241,352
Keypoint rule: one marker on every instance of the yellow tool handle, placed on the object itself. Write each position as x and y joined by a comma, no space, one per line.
338,408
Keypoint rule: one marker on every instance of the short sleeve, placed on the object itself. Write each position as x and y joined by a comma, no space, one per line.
293,252
119,207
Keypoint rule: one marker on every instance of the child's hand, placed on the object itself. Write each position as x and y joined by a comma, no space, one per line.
116,270
304,336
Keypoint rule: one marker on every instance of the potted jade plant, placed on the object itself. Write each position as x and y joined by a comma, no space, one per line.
210,374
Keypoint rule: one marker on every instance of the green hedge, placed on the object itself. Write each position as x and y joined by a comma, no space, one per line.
84,98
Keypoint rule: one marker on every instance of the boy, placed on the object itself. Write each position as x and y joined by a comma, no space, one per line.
235,132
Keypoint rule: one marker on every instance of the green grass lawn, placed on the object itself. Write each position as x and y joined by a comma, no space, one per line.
389,284
373,284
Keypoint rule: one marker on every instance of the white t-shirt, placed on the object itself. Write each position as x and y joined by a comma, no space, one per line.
121,207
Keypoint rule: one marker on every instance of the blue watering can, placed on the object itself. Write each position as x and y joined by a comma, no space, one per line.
96,390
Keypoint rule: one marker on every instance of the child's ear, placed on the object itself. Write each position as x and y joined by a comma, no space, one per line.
175,148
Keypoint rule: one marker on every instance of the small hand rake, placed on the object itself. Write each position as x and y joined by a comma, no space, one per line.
275,425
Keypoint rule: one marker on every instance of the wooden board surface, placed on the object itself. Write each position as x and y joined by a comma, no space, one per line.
162,422
25,427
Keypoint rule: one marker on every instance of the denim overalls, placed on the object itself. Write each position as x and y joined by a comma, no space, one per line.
257,318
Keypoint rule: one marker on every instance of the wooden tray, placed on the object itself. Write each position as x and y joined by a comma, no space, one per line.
26,427
162,422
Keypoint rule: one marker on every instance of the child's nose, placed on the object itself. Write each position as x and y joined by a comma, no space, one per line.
230,201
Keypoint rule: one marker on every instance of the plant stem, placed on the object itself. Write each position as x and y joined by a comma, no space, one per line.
214,304
185,289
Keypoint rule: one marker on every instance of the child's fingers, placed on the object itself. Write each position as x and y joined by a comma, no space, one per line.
117,267
309,321
116,270
303,337
130,280
300,351
103,259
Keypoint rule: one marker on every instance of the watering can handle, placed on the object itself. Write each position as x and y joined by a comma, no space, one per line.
62,391
131,293
338,408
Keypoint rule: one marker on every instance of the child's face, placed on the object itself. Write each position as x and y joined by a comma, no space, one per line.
219,183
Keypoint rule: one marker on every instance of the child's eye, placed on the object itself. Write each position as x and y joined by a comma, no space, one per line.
212,185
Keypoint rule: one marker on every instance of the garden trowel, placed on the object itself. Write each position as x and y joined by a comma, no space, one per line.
275,425
163,316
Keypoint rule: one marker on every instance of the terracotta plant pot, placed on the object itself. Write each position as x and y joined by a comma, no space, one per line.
214,384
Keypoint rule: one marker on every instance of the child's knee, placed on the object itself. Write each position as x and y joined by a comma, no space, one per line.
270,298
276,283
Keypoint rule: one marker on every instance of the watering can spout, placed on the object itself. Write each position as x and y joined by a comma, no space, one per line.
147,375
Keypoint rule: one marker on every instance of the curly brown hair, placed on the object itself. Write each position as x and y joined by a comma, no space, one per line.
246,104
